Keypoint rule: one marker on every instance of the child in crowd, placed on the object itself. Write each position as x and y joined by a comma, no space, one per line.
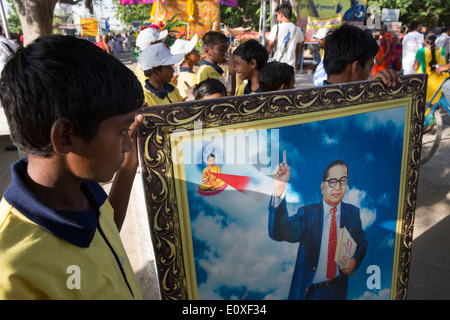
249,58
157,63
349,56
145,38
59,230
276,76
215,47
209,89
187,78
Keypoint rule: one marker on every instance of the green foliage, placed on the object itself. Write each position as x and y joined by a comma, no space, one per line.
245,15
13,19
129,13
430,13
171,25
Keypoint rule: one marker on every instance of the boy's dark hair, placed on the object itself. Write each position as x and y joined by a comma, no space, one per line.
64,77
209,87
211,38
274,74
346,45
252,49
285,9
413,25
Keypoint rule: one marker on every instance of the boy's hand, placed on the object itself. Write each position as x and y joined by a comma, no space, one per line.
131,156
388,76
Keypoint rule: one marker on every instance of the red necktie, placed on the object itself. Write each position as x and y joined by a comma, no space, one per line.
331,264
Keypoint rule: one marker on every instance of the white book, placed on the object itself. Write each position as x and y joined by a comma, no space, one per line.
345,247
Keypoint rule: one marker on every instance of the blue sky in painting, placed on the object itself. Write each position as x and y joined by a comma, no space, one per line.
234,256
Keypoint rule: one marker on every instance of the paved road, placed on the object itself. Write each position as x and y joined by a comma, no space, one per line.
430,264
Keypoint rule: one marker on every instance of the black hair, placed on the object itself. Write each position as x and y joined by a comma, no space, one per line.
285,9
345,45
211,38
331,165
209,87
429,38
252,49
274,74
64,77
413,25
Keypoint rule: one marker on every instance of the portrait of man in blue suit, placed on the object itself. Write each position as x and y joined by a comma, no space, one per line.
316,227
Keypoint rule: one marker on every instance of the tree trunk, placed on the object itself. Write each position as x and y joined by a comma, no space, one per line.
36,17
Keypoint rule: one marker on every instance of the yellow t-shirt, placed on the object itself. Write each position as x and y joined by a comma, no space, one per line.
188,76
49,254
155,97
208,70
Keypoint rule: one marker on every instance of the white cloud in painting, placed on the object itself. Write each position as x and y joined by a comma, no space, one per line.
356,197
391,118
383,294
327,140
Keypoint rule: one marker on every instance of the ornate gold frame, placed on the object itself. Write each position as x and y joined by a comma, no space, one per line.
154,143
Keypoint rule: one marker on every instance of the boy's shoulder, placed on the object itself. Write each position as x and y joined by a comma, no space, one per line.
209,70
77,228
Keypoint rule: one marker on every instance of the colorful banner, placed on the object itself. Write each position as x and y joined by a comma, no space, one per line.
314,24
351,10
131,2
89,27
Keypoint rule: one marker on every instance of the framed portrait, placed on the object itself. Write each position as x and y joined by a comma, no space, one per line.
211,168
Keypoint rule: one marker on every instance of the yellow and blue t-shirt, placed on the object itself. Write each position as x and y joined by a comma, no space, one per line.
50,254
245,88
155,97
210,70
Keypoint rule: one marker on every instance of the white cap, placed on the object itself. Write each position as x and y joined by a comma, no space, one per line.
158,55
321,34
148,36
184,46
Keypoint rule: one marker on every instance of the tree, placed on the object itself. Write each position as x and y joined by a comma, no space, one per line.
246,14
431,13
130,13
36,17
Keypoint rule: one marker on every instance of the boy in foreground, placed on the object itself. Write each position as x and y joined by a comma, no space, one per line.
71,107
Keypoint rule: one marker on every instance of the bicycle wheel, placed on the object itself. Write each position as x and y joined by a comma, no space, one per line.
431,137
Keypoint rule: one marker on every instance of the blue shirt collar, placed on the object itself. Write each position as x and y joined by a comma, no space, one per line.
76,227
215,66
248,90
184,69
162,94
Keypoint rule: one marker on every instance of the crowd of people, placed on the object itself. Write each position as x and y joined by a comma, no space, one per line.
83,132
114,43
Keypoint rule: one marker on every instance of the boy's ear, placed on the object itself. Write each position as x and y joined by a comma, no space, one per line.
60,135
355,67
253,64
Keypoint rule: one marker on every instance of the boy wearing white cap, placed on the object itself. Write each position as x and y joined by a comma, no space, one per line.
157,63
187,78
146,37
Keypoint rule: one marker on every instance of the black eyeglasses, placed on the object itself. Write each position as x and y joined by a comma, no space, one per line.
333,182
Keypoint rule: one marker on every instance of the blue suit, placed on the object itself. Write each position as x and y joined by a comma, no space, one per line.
305,227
